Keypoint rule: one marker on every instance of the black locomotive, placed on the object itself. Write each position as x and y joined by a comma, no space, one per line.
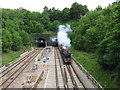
65,55
64,51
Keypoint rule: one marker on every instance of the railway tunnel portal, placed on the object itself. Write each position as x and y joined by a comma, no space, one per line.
42,40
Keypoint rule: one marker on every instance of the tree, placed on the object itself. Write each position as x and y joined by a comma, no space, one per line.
98,8
45,20
25,38
45,9
109,46
54,26
99,31
65,15
90,39
6,40
17,41
55,14
39,28
77,10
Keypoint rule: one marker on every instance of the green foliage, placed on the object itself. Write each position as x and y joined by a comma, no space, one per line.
110,46
45,20
54,26
90,39
8,57
6,40
39,28
25,38
96,30
17,41
77,10
19,23
109,49
99,31
65,15
99,8
48,32
54,14
107,78
78,44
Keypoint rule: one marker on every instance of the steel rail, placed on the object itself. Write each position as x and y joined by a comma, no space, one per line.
14,75
14,64
56,72
72,77
63,71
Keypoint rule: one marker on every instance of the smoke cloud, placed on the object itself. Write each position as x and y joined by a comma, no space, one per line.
53,39
63,35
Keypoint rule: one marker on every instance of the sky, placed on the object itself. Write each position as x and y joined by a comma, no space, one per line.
37,5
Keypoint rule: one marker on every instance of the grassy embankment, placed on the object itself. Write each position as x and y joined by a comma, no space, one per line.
8,57
107,78
11,56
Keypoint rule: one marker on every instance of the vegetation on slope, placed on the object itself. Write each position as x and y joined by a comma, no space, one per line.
19,24
107,78
99,31
93,31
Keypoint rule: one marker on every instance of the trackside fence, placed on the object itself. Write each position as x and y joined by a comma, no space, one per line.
95,83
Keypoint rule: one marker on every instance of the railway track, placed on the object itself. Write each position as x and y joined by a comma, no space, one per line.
9,74
68,75
76,82
14,64
58,70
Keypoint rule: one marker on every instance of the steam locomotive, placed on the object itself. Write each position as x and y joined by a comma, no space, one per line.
65,55
64,52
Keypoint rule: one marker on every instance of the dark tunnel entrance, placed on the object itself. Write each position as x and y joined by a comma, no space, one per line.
41,42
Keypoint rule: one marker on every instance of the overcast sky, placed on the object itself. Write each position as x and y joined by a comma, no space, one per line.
37,5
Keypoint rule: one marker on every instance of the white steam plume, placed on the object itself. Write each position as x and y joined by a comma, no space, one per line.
63,36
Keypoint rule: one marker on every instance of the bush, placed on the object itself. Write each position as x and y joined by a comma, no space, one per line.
6,40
